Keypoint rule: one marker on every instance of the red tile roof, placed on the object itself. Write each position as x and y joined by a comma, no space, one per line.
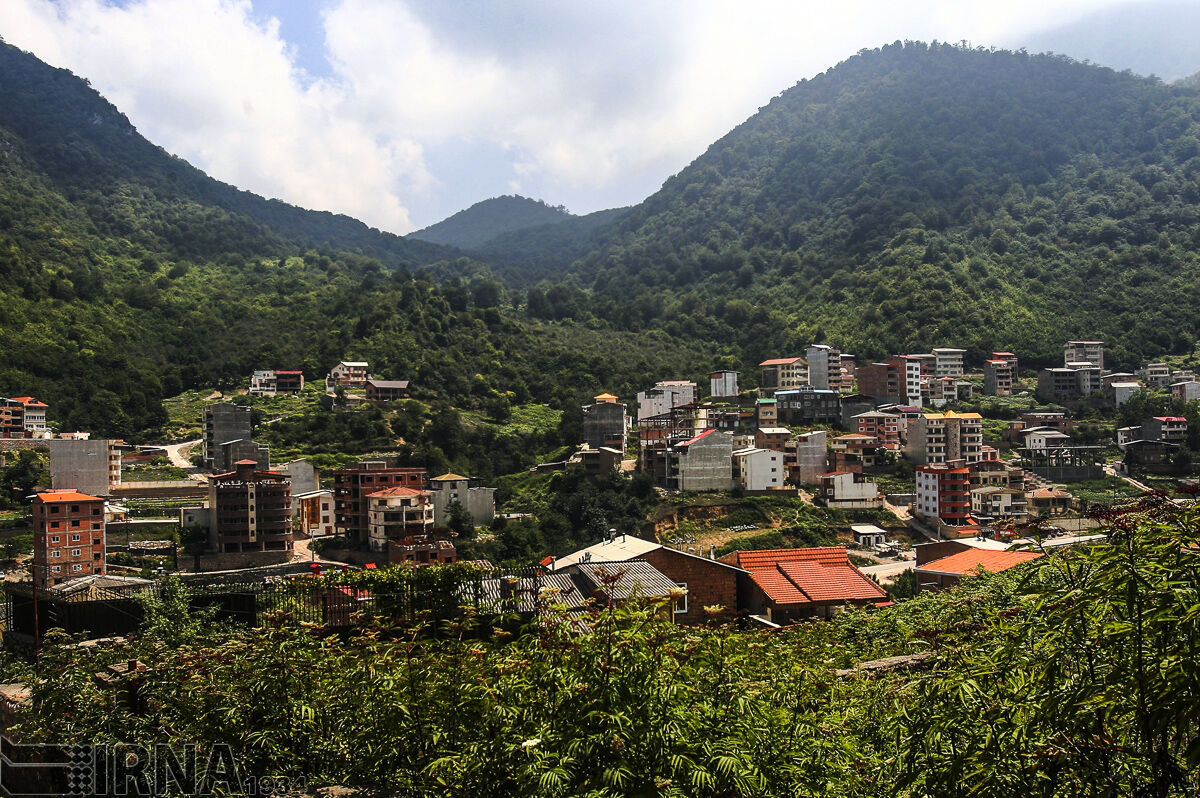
965,562
65,496
777,586
29,401
831,582
781,361
767,558
398,492
1175,419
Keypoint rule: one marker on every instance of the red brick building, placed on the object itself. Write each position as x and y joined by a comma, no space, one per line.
352,485
68,536
251,510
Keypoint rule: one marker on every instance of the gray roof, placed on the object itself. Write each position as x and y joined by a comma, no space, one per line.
632,577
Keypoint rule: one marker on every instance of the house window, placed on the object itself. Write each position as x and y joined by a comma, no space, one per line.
55,538
74,508
74,538
56,552
54,525
681,606
56,569
76,567
76,552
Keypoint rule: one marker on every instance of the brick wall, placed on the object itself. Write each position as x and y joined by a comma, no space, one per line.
708,582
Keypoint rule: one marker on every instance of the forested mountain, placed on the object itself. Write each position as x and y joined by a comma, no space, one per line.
483,221
128,276
926,194
524,257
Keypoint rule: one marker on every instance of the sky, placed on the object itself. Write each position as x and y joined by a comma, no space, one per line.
402,112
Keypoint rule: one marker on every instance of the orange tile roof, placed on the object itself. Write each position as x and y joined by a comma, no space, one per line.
831,582
766,558
777,586
29,401
782,361
965,562
65,496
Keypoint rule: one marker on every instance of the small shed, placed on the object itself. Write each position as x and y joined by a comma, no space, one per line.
868,535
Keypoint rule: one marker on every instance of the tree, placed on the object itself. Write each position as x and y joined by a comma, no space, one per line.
460,520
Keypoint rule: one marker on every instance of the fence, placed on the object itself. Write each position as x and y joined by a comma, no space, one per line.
119,611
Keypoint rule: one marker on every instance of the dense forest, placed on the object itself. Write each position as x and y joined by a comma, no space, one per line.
913,195
483,221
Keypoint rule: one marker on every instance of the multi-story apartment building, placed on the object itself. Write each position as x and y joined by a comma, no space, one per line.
848,371
1188,390
12,418
251,510
313,513
723,386
948,362
400,515
766,411
782,373
1009,358
352,485
758,469
773,438
605,422
1168,429
68,536
92,467
1157,375
348,374
943,493
898,379
702,463
824,367
1069,382
937,438
884,426
664,396
479,502
998,377
1084,351
845,490
807,405
808,457
223,423
998,501
33,415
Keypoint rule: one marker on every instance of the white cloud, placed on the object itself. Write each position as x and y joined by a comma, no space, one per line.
589,104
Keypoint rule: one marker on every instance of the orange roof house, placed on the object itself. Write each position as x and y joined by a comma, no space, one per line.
789,584
948,571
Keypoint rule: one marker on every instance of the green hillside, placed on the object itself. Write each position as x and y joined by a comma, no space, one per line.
917,195
483,221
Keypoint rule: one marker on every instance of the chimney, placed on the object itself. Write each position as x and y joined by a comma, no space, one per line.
712,551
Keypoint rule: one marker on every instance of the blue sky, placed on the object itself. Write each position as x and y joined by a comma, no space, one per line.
401,112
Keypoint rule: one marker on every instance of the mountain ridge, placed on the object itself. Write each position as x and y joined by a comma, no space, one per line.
487,219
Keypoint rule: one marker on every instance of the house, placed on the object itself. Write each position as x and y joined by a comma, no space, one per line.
787,585
347,374
943,493
1049,501
352,485
1158,457
758,469
1039,439
479,502
856,453
664,396
766,411
998,377
1127,434
941,437
1170,429
806,405
702,463
824,367
400,515
386,390
1122,391
1055,419
598,462
707,582
605,422
839,489
251,510
1157,375
998,501
1070,382
948,571
421,551
948,362
1188,390
269,382
226,454
1009,358
810,458
723,386
848,370
33,415
995,472
1084,351
883,426
313,513
782,373
775,438
68,536
868,535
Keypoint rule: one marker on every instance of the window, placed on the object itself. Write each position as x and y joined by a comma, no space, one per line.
55,538
96,525
54,508
54,525
56,569
681,605
76,567
74,538
95,511
76,552
74,508
56,552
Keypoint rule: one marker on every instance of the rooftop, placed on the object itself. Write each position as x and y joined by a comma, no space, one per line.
65,496
775,430
397,493
782,361
449,478
619,549
966,562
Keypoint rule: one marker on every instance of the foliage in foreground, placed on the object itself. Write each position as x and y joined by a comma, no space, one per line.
1077,677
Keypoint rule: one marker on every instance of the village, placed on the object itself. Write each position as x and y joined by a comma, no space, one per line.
927,472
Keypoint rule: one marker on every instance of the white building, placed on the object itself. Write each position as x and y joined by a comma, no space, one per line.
723,384
1123,390
1043,438
948,362
664,396
839,489
1189,390
450,488
758,469
1084,351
